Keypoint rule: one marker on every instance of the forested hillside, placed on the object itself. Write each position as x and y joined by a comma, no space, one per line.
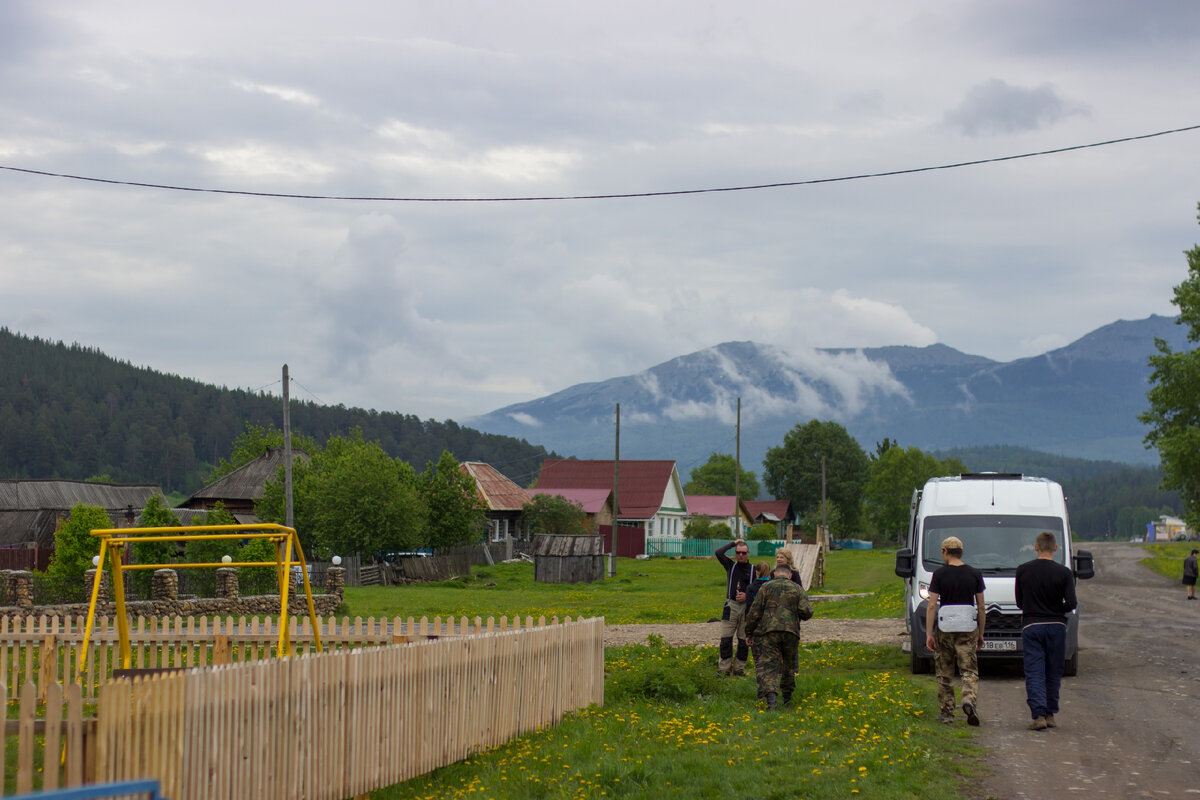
1106,499
68,411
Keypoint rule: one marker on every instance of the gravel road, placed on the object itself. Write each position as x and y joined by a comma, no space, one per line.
1127,725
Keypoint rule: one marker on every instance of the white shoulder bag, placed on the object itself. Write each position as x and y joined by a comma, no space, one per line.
957,619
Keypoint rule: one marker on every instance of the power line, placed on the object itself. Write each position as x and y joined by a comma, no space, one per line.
622,196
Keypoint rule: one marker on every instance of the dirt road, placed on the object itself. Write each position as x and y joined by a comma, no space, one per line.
1129,724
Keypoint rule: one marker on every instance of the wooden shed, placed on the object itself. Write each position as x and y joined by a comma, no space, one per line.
568,559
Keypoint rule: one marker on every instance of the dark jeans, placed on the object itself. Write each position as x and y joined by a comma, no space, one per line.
1045,646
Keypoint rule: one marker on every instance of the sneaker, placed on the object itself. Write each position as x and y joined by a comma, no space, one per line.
1038,724
1050,723
945,718
972,717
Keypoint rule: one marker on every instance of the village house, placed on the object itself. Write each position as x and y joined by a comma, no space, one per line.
776,512
725,509
30,511
650,498
238,490
504,501
596,504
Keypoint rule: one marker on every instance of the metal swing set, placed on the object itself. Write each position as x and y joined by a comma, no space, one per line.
288,554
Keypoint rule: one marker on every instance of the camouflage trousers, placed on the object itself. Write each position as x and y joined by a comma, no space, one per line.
776,652
956,649
733,625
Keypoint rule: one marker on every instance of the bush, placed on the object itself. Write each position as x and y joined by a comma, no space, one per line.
662,673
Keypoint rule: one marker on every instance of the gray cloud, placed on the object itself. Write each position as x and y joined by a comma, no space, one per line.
996,107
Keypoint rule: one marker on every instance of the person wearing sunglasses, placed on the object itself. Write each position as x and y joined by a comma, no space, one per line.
738,577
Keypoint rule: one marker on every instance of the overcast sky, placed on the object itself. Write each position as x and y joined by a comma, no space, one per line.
448,310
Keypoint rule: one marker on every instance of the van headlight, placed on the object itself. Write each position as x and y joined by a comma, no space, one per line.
923,590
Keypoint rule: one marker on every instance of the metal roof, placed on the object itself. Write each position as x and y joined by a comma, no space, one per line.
28,495
593,501
247,481
643,485
497,491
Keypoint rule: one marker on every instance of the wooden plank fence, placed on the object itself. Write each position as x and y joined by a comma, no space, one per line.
341,724
332,725
47,650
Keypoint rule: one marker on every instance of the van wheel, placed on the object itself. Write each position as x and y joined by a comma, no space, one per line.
921,666
1071,666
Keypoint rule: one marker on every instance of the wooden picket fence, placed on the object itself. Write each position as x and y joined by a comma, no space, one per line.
340,724
53,748
47,650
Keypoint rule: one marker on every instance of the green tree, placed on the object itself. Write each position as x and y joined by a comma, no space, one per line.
894,473
793,471
764,531
555,514
457,515
715,477
351,497
1174,413
705,528
74,545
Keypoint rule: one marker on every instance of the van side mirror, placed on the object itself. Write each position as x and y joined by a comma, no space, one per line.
1085,567
906,563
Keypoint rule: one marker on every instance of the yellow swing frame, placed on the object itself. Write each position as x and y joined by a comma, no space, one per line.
113,541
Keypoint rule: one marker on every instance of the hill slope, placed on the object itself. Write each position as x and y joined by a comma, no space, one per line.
73,412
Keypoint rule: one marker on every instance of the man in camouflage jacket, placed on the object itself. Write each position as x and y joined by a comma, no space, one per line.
774,620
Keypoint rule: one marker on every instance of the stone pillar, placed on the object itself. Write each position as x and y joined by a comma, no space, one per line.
21,588
164,586
105,594
335,581
227,583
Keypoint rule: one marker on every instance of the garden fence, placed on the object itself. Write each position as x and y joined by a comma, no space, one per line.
331,725
699,548
47,650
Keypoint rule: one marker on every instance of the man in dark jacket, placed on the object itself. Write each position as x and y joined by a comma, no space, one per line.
774,622
1045,593
738,576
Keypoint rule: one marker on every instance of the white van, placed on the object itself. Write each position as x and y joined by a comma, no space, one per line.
997,516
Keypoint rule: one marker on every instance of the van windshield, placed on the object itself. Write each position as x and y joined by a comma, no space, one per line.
991,542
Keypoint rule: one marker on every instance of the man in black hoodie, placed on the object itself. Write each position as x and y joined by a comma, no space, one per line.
1045,593
738,575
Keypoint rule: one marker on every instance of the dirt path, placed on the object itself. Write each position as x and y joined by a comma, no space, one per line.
1127,726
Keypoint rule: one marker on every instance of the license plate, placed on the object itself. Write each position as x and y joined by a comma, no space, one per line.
1009,645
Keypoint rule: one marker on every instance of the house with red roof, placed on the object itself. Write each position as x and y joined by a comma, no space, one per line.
777,512
504,501
650,492
726,509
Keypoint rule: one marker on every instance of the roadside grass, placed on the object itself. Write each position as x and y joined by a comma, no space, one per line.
643,592
1167,558
859,726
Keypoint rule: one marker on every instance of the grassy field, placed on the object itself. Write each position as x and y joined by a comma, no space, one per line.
1167,559
655,591
670,727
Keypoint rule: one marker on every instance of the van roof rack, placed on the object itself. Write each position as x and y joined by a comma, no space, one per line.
991,476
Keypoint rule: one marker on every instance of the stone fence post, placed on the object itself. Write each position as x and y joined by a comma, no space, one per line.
227,583
164,586
105,593
335,581
17,587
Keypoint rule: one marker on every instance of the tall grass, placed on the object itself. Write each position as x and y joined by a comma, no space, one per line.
1167,558
655,591
859,726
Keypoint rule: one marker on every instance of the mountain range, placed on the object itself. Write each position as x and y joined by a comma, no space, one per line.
1081,400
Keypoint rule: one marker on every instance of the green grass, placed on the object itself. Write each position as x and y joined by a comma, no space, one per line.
1167,558
654,591
860,726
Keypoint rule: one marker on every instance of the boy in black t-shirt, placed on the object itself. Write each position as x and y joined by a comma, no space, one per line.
954,621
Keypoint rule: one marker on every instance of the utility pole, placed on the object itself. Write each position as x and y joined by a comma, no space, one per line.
737,474
824,520
612,556
287,450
